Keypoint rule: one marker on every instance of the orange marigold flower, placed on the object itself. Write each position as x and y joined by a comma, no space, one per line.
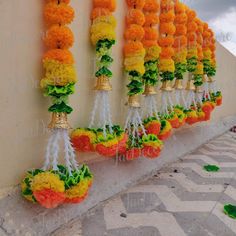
167,17
199,39
59,37
134,32
62,55
56,1
180,30
99,11
151,5
166,41
191,14
149,43
181,19
135,16
167,52
138,4
109,4
151,19
167,28
180,41
131,48
167,5
192,37
179,8
58,14
150,33
192,27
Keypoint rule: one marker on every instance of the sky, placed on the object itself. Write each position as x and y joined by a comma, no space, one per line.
221,16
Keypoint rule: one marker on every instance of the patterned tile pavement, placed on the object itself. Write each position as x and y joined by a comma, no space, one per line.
181,199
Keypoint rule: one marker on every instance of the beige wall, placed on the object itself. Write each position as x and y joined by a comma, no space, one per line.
24,109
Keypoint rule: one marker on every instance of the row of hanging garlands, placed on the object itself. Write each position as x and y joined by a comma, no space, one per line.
164,41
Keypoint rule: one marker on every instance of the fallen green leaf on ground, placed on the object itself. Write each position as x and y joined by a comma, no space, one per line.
211,168
230,210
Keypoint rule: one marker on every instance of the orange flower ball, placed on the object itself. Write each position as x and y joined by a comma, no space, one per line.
167,28
179,8
200,53
151,5
199,39
138,4
134,32
192,27
166,41
109,4
192,37
180,30
56,1
99,11
58,14
167,52
59,37
63,56
150,34
167,17
151,19
181,19
135,16
149,43
167,5
180,41
191,15
131,48
206,34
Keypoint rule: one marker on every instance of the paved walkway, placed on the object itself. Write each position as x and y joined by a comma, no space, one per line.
181,199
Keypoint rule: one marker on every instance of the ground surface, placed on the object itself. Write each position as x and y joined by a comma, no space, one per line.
181,199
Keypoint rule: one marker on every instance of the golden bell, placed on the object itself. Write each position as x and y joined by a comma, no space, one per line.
134,101
103,84
178,84
190,85
149,90
59,121
166,86
211,80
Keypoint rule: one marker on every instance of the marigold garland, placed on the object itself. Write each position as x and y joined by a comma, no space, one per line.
55,184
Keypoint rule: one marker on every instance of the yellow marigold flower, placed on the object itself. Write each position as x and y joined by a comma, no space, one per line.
79,132
167,65
57,73
108,143
102,31
180,57
192,52
178,111
47,180
207,54
110,19
79,190
152,53
139,67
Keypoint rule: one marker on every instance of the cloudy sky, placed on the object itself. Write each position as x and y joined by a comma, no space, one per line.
221,16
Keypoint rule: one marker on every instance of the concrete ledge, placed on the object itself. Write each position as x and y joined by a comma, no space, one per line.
18,217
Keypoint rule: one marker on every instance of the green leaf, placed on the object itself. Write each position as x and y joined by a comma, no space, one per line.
62,107
105,43
192,64
58,91
167,76
180,69
103,71
230,210
211,168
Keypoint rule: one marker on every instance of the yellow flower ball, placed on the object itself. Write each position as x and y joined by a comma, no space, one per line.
192,52
47,180
167,65
180,56
152,53
102,31
79,190
110,19
57,73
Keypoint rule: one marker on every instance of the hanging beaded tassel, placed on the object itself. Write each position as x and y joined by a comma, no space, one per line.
56,184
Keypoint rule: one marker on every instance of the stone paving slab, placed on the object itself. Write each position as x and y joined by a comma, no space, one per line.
180,200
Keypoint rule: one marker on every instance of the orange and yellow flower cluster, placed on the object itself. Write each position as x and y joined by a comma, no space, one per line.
180,43
134,51
53,188
150,42
166,40
58,62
